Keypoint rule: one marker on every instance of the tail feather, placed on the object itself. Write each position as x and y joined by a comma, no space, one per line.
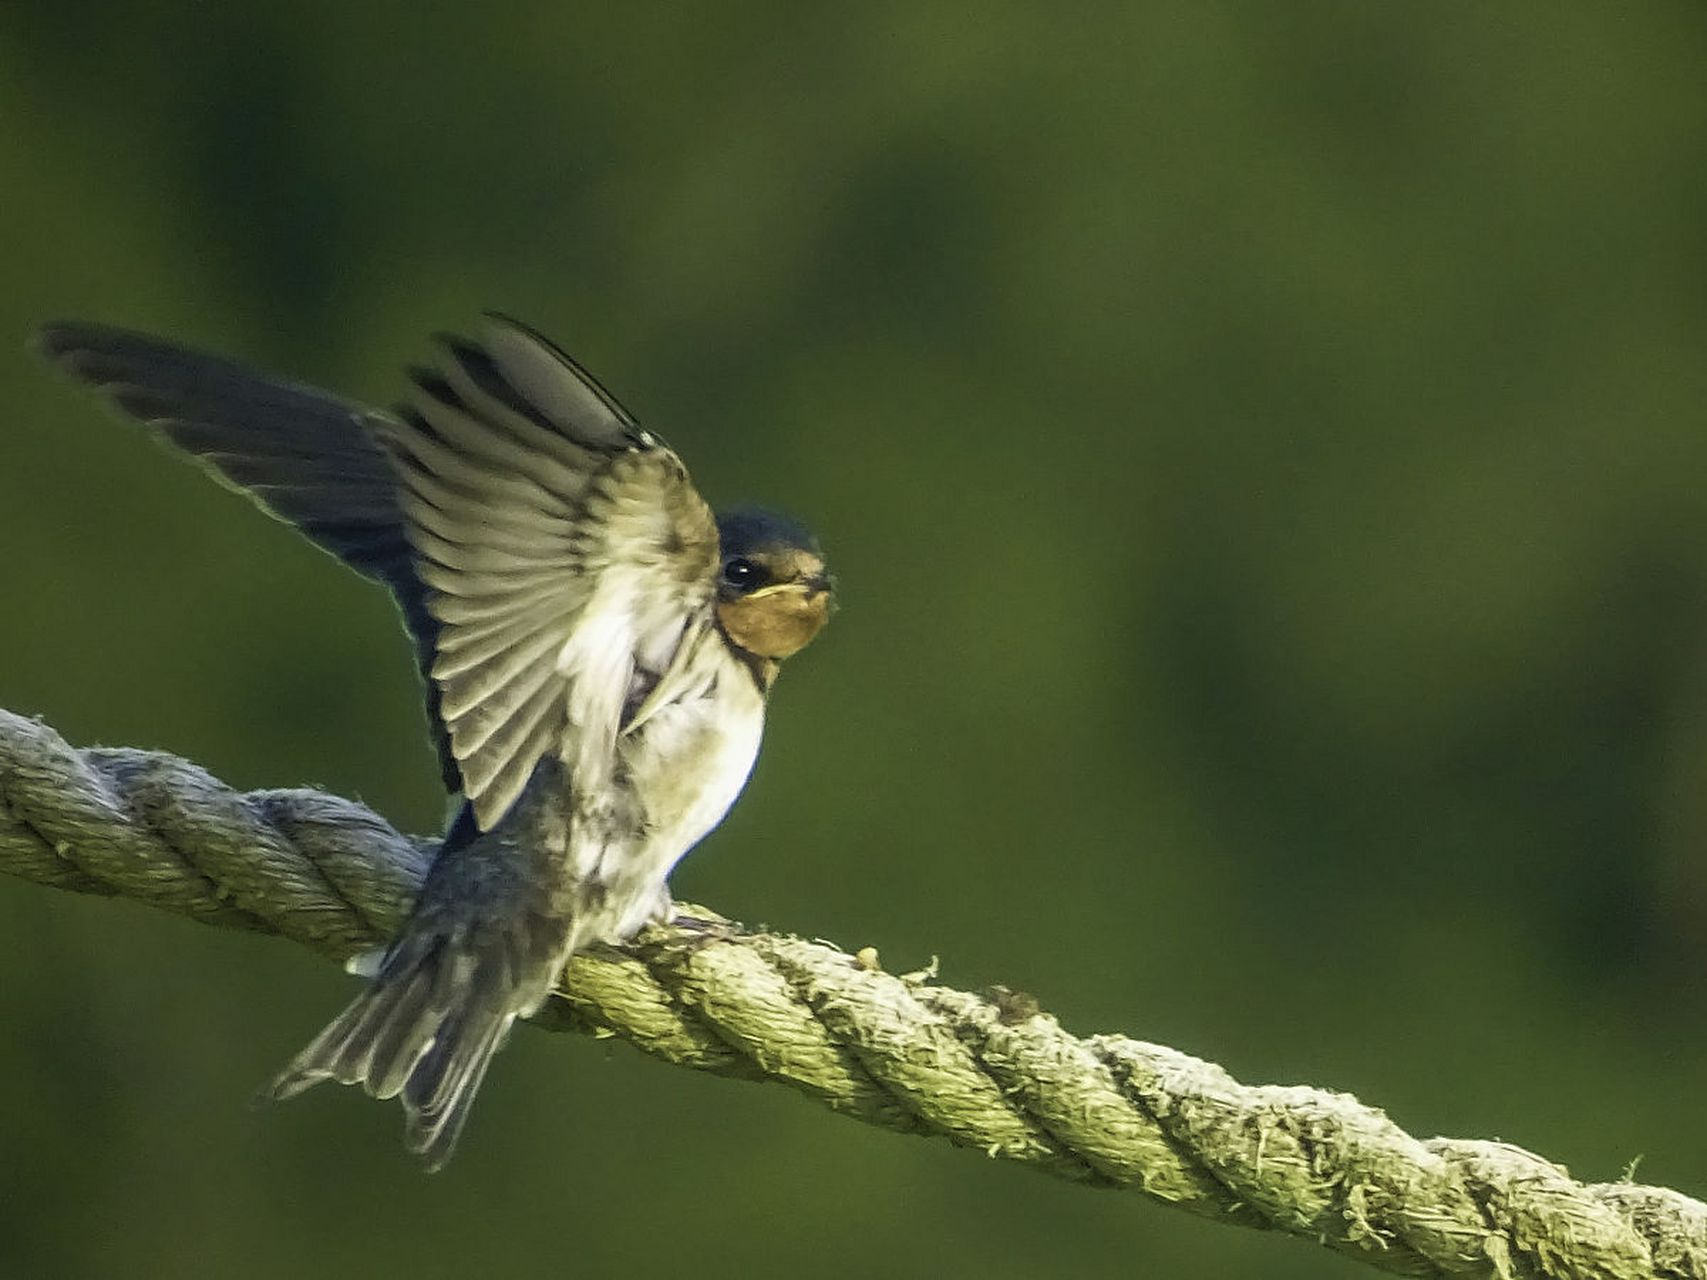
405,1038
316,1061
485,942
423,1031
439,1092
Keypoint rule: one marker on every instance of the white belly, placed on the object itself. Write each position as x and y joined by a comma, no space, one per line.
682,768
690,761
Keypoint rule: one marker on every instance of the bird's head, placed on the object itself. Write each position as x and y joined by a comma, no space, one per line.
773,592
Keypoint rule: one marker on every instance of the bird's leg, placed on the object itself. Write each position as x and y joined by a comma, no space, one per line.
692,931
663,911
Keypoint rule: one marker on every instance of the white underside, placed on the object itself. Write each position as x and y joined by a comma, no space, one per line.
679,770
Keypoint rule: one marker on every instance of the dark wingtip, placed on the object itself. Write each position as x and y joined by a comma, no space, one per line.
89,352
73,348
459,348
422,376
56,339
433,383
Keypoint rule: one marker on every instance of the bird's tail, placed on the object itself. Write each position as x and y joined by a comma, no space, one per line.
439,1006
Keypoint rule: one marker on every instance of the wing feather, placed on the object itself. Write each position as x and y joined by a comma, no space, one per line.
480,385
503,734
307,457
480,641
481,612
463,558
465,476
565,552
548,554
458,518
496,686
564,394
516,443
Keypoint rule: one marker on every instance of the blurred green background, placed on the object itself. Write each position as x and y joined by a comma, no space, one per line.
1262,449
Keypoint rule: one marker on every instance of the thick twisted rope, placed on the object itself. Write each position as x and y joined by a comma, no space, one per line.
987,1071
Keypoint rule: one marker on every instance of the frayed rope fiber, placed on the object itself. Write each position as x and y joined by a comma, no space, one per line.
987,1071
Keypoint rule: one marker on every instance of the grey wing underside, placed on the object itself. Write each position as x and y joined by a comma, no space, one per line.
304,456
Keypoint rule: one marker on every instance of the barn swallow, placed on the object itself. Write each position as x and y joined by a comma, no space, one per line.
597,649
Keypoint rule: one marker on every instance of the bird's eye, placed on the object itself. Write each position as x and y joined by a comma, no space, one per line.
742,573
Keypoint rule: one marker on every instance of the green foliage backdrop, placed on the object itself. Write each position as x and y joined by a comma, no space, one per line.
1263,450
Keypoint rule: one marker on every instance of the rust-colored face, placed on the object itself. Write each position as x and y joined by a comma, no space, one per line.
771,602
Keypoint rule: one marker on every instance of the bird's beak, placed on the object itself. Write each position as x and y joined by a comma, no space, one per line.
811,588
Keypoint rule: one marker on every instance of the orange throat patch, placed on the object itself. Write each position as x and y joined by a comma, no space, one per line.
776,622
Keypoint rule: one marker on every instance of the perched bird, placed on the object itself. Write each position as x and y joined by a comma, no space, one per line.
597,648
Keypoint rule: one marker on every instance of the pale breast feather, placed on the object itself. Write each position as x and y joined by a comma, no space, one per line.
566,551
691,758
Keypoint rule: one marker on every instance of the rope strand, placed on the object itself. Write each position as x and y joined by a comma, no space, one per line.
987,1071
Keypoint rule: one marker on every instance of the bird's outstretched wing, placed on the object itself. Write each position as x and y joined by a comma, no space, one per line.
566,554
305,456
547,553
